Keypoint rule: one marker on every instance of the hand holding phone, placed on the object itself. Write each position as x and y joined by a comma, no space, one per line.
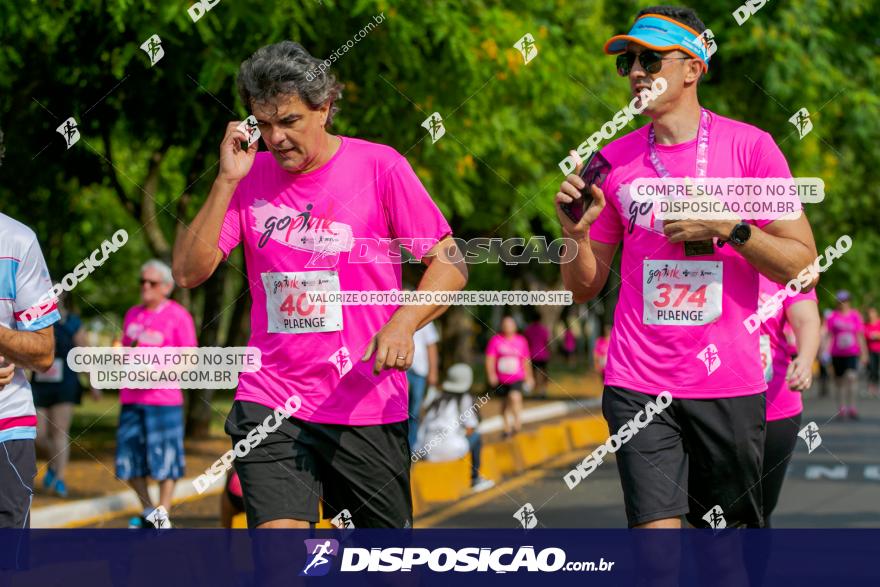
593,172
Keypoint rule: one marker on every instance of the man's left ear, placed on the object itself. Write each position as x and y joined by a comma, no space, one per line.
695,70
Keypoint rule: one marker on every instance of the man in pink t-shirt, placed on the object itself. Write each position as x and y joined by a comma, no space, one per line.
678,324
509,372
788,371
846,343
319,212
149,440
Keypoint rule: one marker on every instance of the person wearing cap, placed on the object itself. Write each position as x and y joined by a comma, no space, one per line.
687,286
846,342
449,429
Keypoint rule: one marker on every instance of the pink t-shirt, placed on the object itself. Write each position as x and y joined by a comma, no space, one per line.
321,230
845,331
538,338
776,353
873,329
510,357
169,325
679,320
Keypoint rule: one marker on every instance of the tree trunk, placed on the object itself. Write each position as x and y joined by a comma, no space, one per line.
198,417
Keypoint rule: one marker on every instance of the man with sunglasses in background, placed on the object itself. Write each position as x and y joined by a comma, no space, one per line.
687,286
149,441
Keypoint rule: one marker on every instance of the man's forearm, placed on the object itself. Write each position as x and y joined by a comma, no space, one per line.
196,248
779,259
446,271
441,275
579,274
806,333
32,350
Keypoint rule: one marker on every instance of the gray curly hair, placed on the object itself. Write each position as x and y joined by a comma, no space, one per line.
284,69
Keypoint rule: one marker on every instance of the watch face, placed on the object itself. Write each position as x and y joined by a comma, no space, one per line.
742,232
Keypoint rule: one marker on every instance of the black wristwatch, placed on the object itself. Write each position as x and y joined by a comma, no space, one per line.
739,235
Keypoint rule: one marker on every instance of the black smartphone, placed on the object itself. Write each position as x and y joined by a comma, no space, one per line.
594,172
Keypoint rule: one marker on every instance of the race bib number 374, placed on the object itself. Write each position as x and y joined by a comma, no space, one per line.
682,293
288,307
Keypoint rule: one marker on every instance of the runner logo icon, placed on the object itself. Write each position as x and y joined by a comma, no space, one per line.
810,434
318,553
710,358
525,46
526,516
434,125
343,520
715,518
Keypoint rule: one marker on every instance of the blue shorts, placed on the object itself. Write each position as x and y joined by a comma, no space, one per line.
149,442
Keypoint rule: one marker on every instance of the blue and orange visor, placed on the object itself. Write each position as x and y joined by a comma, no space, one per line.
661,33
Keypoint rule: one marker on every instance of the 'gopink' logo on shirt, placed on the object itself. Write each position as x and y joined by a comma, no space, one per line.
300,230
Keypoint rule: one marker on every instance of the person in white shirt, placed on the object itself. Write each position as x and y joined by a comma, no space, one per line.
422,374
449,429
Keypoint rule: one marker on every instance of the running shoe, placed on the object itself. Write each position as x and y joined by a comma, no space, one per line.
159,519
60,488
49,478
138,522
853,415
481,484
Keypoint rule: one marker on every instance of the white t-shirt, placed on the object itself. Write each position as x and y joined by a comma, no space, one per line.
24,280
422,339
442,431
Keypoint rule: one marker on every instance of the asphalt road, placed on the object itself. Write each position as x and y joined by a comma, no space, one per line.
835,486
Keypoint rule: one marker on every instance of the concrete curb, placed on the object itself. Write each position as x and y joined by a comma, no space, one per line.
86,511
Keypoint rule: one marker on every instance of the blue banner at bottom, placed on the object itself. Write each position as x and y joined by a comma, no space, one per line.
168,558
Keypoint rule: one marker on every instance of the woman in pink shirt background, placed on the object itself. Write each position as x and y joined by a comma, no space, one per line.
872,339
786,379
508,370
600,350
538,337
846,341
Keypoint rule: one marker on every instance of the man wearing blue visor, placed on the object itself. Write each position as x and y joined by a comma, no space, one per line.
686,288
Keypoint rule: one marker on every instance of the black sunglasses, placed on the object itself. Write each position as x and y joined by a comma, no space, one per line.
152,283
651,61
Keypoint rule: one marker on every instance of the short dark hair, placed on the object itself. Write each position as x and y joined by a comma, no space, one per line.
285,69
682,14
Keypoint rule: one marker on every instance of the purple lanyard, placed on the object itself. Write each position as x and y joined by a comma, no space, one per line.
702,151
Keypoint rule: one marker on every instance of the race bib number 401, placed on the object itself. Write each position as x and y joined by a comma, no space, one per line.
288,307
681,293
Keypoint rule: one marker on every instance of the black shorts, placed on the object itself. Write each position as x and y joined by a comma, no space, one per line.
18,467
843,364
362,469
504,389
542,365
692,456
